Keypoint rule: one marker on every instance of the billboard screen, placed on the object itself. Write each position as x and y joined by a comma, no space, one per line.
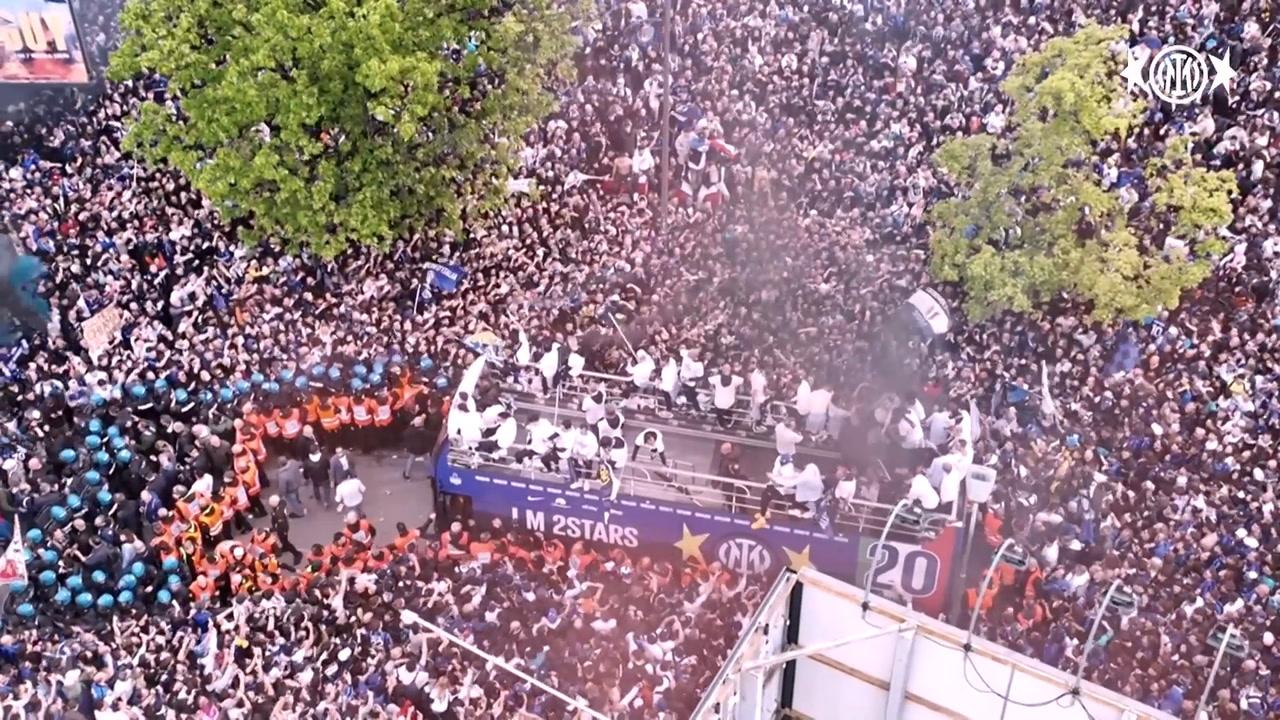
39,43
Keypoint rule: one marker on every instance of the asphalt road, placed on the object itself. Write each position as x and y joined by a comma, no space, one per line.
389,500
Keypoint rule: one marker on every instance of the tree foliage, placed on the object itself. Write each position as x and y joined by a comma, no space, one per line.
1031,219
332,122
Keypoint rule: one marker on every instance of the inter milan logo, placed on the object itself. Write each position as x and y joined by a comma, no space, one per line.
744,555
1177,74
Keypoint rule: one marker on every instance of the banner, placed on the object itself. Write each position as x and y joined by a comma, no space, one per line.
102,330
13,564
677,533
445,277
39,43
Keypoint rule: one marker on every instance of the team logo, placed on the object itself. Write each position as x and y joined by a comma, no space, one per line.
1177,74
744,555
455,479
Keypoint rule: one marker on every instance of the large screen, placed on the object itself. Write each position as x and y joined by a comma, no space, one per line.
39,43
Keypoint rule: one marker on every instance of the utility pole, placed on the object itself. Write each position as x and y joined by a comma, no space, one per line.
664,200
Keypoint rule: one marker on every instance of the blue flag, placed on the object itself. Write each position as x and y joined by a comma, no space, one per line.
445,277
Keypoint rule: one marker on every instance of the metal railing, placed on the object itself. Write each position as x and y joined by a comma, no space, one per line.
652,481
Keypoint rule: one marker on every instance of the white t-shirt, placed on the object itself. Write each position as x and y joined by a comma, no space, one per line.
724,390
350,492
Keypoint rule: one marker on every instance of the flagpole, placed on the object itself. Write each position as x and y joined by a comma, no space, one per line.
665,200
417,297
622,334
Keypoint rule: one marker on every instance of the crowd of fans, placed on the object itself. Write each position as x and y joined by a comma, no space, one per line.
802,145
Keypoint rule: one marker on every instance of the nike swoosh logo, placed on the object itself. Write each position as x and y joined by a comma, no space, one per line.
534,498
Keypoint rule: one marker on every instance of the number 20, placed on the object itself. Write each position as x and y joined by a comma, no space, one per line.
917,568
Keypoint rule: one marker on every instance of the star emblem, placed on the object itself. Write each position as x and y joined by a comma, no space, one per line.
690,545
1133,71
798,560
1223,73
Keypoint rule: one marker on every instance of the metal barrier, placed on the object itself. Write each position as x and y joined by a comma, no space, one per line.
654,400
734,495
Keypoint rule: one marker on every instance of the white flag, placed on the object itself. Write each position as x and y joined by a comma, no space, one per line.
13,565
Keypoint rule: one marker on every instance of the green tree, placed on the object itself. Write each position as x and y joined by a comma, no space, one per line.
333,122
1030,219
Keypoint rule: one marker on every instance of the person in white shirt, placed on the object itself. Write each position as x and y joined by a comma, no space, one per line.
350,495
540,432
691,374
651,439
724,394
668,382
759,394
549,368
798,489
562,442
593,407
466,426
819,405
611,424
785,440
498,440
641,372
585,451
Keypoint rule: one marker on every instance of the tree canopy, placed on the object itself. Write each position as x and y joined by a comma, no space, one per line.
333,122
1032,218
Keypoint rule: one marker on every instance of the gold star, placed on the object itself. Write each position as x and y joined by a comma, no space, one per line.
798,560
690,545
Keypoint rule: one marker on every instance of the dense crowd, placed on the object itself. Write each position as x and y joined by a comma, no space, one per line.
802,145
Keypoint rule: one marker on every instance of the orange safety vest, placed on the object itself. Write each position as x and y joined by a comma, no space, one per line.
202,588
382,413
211,519
403,542
272,424
292,425
329,420
252,442
343,404
236,496
360,413
313,409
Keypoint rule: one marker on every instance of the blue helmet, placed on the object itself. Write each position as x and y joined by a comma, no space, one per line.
301,383
172,580
257,378
67,456
285,376
102,458
48,577
164,597
49,556
73,500
17,587
378,368
75,583
137,569
125,597
225,395
127,582
106,601
317,371
98,400
93,477
27,610
180,395
426,363
98,577
169,565
93,442
397,359
242,387
357,384
138,391
104,498
335,372
95,426
35,536
113,431
271,386
360,370
118,442
442,382
375,378
124,457
62,597
206,397
161,385
84,600
58,513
